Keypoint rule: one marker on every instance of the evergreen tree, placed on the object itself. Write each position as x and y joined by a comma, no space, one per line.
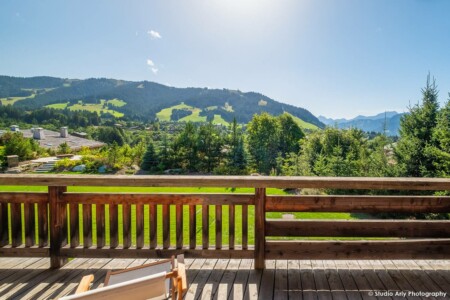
439,151
185,147
165,154
150,159
416,135
209,146
237,162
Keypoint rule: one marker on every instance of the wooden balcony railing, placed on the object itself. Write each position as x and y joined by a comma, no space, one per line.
61,224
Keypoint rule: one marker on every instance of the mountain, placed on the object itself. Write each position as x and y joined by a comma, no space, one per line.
377,123
143,100
329,121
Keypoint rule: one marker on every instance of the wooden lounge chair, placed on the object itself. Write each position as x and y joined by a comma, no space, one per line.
151,281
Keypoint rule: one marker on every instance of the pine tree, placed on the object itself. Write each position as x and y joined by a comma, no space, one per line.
150,159
237,162
416,132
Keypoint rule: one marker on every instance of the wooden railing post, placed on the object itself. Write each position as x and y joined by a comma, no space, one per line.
58,221
260,221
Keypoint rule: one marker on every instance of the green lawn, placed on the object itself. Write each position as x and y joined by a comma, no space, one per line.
212,223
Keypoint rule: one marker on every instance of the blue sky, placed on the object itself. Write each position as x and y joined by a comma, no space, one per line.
335,58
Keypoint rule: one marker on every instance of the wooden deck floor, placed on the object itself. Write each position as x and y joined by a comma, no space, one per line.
22,278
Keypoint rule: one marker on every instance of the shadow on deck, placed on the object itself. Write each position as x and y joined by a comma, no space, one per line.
30,278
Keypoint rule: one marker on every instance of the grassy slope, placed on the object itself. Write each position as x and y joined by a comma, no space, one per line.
185,212
12,100
98,108
194,117
58,105
304,124
166,113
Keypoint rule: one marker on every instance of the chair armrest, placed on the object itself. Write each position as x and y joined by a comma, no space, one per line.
85,284
182,275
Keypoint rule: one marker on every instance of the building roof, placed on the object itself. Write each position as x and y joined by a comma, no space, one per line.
53,139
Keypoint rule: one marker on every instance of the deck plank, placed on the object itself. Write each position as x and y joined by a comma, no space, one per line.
294,280
398,277
267,281
198,285
241,280
360,280
334,281
388,282
236,278
20,278
214,279
48,279
416,277
435,276
91,266
281,280
254,283
442,267
322,286
307,278
350,287
227,281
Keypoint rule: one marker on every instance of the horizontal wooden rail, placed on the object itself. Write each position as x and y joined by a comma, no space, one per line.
163,199
23,197
403,249
133,252
359,204
359,228
361,183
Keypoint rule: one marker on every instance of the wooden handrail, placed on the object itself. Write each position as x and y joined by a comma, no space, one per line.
369,183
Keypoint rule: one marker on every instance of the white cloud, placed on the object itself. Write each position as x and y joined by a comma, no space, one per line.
154,34
152,66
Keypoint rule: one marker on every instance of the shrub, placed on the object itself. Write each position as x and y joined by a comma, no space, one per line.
65,164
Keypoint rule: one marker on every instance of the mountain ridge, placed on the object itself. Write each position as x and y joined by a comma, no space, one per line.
389,121
144,99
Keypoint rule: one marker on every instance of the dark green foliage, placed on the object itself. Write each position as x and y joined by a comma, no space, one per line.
209,146
237,162
64,149
48,116
110,135
179,114
185,148
416,132
150,160
15,144
20,87
270,138
290,134
263,140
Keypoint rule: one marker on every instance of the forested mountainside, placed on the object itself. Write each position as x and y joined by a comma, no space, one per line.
143,100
